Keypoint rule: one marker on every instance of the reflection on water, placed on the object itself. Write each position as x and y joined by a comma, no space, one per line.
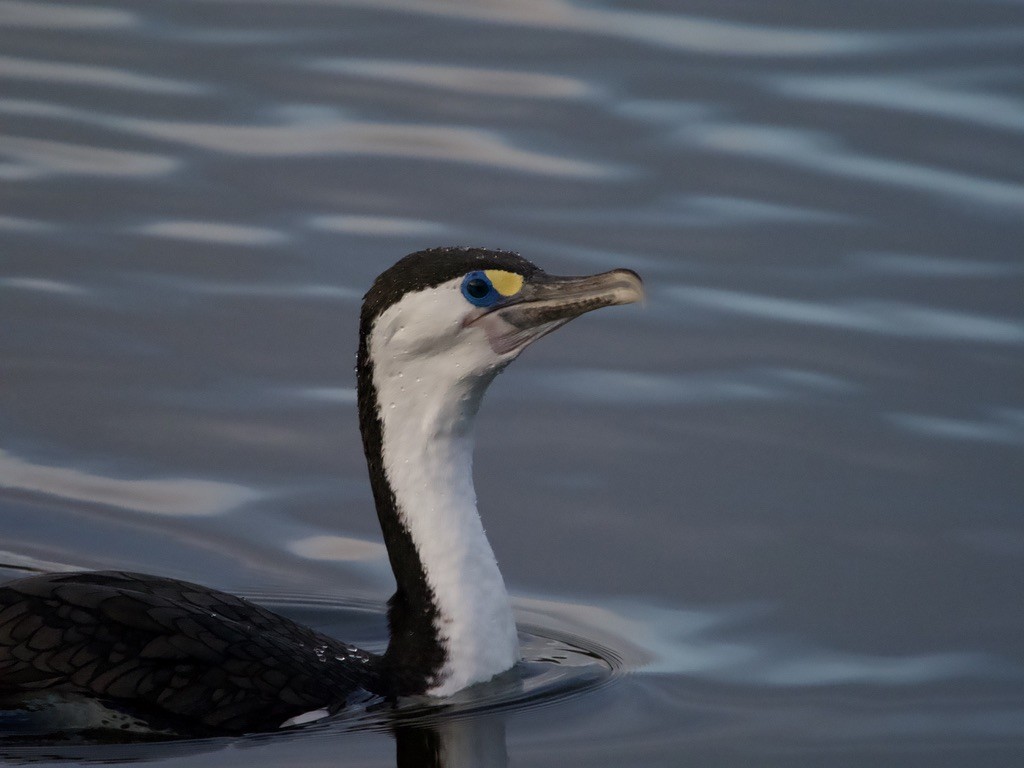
590,385
378,226
932,266
32,15
938,98
12,68
462,742
1003,426
488,82
784,497
455,743
213,231
337,548
711,645
40,284
689,33
171,496
823,154
867,316
35,158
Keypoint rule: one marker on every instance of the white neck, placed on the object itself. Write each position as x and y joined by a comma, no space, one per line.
427,408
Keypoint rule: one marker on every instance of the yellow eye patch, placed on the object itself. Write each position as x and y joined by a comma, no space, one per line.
505,283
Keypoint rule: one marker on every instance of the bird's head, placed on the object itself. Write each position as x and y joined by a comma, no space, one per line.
471,311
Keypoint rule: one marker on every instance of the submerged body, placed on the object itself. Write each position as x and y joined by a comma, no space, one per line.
435,329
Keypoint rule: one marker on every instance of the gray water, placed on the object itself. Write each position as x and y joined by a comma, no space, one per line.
784,498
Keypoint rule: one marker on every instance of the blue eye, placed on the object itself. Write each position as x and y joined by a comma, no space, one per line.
478,290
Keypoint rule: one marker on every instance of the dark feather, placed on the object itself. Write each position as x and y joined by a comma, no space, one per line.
171,648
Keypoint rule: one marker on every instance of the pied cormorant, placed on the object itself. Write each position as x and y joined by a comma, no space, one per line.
435,329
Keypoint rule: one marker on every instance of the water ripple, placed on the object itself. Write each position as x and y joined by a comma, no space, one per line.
183,497
890,318
908,95
674,31
201,286
41,285
77,16
694,34
18,224
934,266
12,68
1005,426
301,134
376,226
695,211
824,154
708,210
346,395
338,549
220,232
604,386
357,137
36,158
694,643
477,80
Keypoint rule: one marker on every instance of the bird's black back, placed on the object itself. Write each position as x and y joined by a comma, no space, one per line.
179,651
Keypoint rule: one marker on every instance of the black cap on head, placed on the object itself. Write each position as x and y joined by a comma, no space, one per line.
433,266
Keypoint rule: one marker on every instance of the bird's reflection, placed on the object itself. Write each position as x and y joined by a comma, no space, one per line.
460,742
452,741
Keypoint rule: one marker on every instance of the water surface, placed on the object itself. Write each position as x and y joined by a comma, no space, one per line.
786,494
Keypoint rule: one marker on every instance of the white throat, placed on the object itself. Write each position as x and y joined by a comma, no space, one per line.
428,401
